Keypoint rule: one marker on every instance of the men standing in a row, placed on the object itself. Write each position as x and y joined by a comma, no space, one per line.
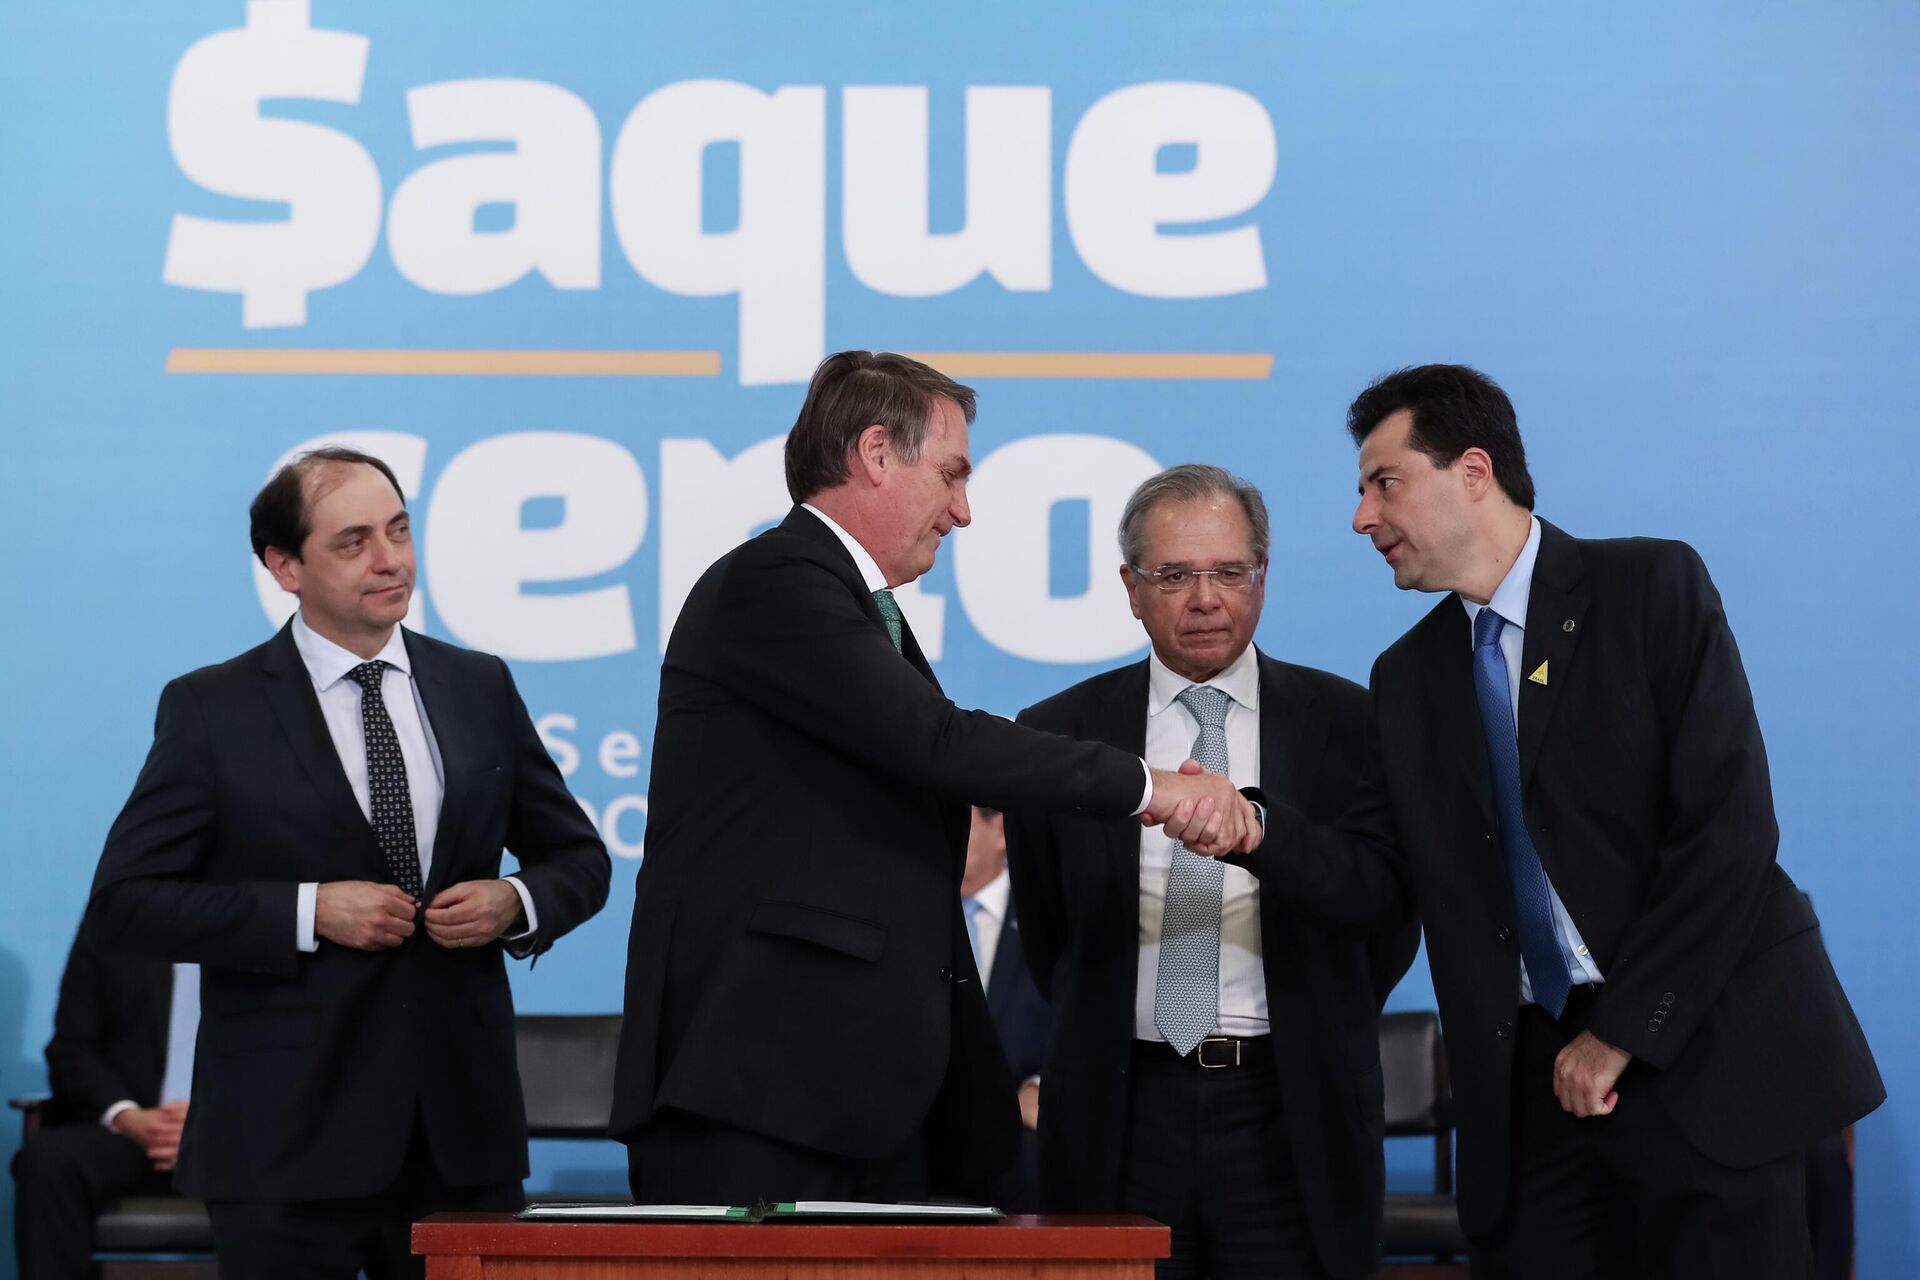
1566,773
1215,1063
803,1015
319,824
120,1066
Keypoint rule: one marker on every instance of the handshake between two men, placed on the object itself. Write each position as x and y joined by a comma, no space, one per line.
1203,811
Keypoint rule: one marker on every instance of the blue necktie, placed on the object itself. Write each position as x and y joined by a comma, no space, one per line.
1532,913
1186,992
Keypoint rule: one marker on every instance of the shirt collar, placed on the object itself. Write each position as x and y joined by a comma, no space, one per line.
862,559
1511,596
327,663
1239,681
993,897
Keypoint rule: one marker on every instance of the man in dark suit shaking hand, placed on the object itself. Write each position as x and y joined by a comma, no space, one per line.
803,1014
319,824
1567,775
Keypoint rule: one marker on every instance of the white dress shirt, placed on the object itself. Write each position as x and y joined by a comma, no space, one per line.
989,919
1510,602
183,1027
877,581
1171,730
328,664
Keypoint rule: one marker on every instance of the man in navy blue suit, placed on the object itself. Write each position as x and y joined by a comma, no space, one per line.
1019,1011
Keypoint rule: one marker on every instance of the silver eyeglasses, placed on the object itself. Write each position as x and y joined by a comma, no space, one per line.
1227,577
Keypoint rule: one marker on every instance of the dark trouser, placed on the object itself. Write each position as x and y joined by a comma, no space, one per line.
1627,1195
337,1239
1207,1154
64,1177
681,1158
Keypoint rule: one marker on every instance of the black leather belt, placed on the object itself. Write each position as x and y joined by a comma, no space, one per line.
1213,1053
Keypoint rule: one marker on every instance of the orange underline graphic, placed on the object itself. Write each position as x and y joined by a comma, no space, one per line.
1096,364
464,362
480,362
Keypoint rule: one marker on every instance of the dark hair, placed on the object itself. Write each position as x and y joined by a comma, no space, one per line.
278,516
1454,409
854,390
1185,483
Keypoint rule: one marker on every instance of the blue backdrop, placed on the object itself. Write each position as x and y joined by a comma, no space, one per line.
1682,237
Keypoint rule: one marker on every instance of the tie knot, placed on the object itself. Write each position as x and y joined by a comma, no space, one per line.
1487,626
368,674
1208,704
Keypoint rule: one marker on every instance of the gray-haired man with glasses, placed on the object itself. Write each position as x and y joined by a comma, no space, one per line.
1214,1062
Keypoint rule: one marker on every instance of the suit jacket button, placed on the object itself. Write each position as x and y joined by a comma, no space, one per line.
1506,935
1504,1030
1653,1024
946,975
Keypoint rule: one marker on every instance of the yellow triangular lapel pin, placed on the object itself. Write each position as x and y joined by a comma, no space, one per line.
1539,675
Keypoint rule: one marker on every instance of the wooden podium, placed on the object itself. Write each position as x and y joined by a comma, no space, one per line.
488,1246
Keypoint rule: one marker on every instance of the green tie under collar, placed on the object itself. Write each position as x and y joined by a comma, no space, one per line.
890,610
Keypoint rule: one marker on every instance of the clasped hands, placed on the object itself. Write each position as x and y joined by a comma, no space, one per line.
1203,811
156,1130
373,917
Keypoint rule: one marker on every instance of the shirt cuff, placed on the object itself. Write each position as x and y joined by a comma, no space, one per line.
303,908
108,1116
1146,797
526,905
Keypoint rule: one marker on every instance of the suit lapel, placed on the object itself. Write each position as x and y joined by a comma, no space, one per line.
452,725
1292,733
1123,724
290,694
1555,609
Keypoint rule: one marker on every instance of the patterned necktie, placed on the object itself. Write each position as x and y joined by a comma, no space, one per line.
890,611
390,800
1186,993
1540,948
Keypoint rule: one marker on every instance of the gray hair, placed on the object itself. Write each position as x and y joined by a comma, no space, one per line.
1185,483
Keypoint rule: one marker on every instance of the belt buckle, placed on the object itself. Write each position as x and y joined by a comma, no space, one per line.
1200,1053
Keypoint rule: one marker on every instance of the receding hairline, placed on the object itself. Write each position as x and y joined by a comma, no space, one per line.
322,476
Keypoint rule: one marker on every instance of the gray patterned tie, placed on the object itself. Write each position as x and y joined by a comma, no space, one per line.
387,792
1186,994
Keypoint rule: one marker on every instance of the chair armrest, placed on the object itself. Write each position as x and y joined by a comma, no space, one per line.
32,1114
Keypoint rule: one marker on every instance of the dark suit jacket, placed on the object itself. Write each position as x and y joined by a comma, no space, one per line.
1078,884
798,965
1645,787
109,1033
311,1068
1021,1018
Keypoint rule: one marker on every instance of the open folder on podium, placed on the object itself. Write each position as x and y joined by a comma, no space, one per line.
789,1211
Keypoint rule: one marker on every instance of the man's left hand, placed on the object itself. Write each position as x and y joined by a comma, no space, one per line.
472,913
1584,1075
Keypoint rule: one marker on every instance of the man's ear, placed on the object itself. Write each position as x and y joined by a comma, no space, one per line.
285,570
872,454
1132,583
1476,472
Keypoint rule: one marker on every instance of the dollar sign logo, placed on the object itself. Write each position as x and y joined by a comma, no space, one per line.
220,140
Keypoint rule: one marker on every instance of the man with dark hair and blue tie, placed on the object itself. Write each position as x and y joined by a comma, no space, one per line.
1567,775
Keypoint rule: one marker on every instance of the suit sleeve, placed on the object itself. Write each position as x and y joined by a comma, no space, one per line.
563,862
79,1071
1350,874
1033,865
795,643
1716,856
147,893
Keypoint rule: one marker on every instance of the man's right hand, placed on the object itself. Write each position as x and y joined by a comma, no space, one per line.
363,915
1203,811
156,1129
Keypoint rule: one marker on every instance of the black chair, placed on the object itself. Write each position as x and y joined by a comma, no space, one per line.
1419,1103
566,1074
